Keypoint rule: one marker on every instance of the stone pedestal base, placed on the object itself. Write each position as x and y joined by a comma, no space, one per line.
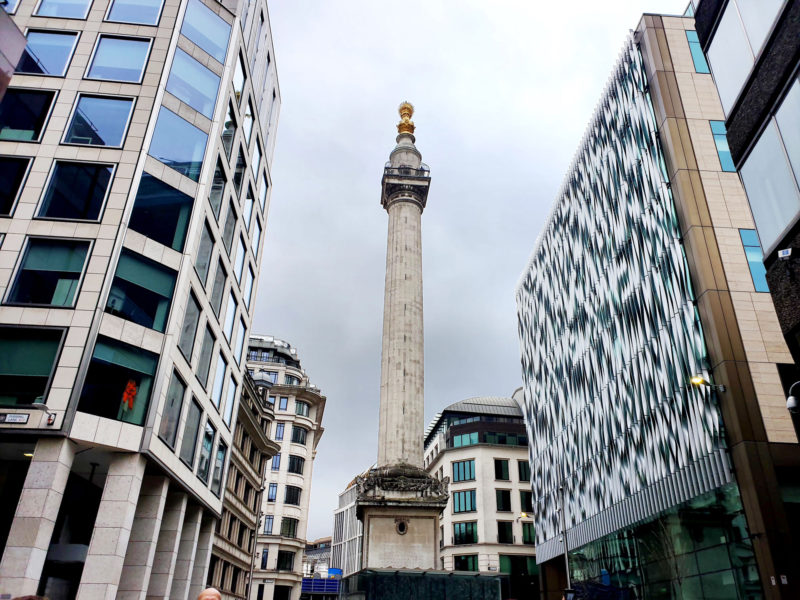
382,584
399,506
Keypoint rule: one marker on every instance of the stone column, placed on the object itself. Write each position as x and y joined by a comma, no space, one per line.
167,549
112,528
186,553
35,517
144,537
202,557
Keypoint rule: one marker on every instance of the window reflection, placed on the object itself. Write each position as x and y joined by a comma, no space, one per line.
46,52
66,9
193,83
144,12
178,144
99,121
119,59
206,29
730,57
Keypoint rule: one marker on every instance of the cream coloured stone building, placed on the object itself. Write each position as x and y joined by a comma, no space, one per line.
136,140
298,407
481,445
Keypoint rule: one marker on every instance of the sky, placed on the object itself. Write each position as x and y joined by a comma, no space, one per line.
503,91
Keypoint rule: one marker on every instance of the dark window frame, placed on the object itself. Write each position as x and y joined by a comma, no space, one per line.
73,111
58,352
49,181
23,181
45,119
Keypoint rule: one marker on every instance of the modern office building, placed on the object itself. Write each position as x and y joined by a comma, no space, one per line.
319,583
233,550
651,351
753,51
12,44
135,150
299,407
348,531
482,446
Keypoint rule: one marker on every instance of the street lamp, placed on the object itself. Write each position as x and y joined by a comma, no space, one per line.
698,380
791,402
569,589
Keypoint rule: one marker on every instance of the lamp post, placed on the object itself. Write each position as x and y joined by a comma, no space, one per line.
568,592
791,400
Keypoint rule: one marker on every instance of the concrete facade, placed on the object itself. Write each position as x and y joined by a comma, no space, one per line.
143,327
299,407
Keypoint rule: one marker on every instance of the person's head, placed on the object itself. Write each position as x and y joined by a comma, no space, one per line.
210,594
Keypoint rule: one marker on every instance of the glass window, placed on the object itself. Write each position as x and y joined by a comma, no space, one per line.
206,29
23,114
505,532
465,439
758,17
464,501
206,351
230,315
142,12
276,462
279,428
755,260
178,144
189,329
219,380
285,560
256,162
247,122
66,9
289,527
788,118
464,470
524,468
771,187
27,360
11,6
698,58
238,173
229,131
161,212
47,52
241,253
247,213
193,83
230,401
503,500
76,191
13,170
119,59
465,533
301,408
204,252
50,272
218,289
190,431
118,381
171,416
204,465
99,121
238,80
256,238
247,292
283,403
501,469
721,141
296,465
268,520
528,533
299,435
262,193
272,492
230,227
217,189
290,380
526,501
141,291
292,495
467,562
730,57
240,338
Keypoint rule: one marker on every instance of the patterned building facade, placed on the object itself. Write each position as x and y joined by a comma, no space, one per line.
641,282
136,141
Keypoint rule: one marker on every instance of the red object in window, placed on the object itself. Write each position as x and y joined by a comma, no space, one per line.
129,395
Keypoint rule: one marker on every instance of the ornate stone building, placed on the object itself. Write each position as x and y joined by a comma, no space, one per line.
298,406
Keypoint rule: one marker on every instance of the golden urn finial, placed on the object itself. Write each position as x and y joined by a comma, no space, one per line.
406,125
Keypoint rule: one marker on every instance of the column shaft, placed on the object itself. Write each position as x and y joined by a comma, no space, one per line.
186,553
167,549
35,517
112,528
202,557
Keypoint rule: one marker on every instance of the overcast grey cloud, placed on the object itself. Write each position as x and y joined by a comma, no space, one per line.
503,91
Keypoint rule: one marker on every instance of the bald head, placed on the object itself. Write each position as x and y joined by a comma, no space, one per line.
209,594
